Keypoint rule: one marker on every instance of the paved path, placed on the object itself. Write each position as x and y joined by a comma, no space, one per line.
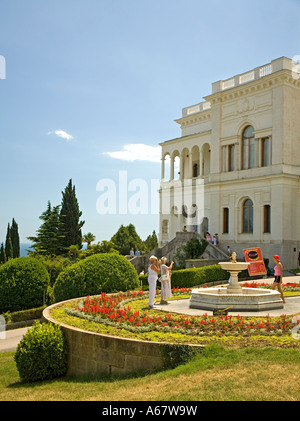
292,306
11,339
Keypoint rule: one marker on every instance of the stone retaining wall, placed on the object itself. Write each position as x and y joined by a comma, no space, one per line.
93,353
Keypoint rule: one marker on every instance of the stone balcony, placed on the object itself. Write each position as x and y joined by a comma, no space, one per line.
282,63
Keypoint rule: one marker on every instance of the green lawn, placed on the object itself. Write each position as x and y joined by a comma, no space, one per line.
217,374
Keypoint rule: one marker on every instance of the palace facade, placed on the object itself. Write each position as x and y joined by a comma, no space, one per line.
235,169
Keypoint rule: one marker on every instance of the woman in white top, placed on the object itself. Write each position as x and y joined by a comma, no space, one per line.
165,280
153,271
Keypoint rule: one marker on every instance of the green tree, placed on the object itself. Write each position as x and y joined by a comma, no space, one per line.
151,242
50,234
74,252
70,217
103,247
15,239
126,238
8,244
2,254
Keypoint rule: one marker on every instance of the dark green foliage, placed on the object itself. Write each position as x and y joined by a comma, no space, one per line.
126,238
24,315
2,254
196,276
54,265
105,272
15,239
70,218
23,284
103,247
151,242
50,234
70,283
8,244
174,355
42,353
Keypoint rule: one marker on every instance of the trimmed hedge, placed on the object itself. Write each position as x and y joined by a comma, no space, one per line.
188,278
23,284
42,353
24,315
104,272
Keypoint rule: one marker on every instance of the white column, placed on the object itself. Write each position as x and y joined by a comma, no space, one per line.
181,166
172,168
200,163
163,168
190,165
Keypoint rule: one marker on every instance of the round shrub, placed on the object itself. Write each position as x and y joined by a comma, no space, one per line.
70,283
42,353
103,272
23,284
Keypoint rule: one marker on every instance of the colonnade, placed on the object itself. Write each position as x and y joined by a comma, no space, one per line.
186,164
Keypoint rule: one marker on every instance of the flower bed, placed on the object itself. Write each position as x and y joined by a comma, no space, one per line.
287,287
114,310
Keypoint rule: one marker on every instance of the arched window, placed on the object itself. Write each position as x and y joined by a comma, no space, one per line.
248,216
248,148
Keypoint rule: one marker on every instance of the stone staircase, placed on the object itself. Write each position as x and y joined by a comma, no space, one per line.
212,254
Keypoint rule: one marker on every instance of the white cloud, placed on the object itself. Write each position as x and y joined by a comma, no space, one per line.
62,134
137,152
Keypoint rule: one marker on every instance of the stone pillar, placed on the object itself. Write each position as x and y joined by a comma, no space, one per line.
172,168
163,168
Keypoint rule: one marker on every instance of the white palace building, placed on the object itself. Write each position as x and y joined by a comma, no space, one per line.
235,170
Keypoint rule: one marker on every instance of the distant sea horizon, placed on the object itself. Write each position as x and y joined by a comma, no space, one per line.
25,248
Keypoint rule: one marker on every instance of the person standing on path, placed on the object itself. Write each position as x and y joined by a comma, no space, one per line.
278,276
153,271
165,280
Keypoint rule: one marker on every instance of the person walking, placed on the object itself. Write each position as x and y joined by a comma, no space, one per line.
153,271
278,276
165,280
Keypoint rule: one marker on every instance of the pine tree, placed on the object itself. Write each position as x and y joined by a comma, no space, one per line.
15,239
8,244
50,234
2,254
70,217
126,238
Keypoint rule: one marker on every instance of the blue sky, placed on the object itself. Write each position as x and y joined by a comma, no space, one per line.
85,79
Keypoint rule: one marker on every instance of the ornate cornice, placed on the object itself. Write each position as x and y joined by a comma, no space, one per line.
280,78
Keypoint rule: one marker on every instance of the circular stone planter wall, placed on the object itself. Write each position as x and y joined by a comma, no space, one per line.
94,353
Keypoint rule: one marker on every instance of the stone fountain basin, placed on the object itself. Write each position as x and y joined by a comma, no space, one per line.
249,299
234,267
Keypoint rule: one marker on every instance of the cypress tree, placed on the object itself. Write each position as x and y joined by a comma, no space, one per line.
70,217
8,244
2,254
15,239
